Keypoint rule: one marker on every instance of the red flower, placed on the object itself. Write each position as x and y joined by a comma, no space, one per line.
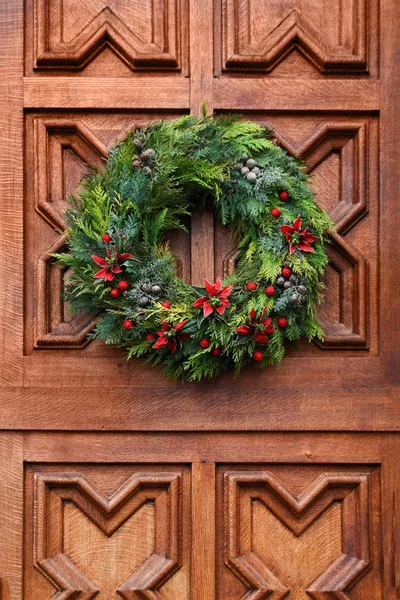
168,335
110,265
216,299
296,238
257,327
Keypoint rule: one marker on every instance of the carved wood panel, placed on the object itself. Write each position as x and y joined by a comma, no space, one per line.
324,37
107,532
141,35
299,532
60,150
341,159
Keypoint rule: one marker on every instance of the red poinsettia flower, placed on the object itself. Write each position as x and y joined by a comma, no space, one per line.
216,299
110,265
258,327
297,238
169,334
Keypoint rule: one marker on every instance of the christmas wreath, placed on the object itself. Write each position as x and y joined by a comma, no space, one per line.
122,267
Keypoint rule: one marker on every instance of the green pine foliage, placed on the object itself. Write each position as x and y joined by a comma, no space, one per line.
151,182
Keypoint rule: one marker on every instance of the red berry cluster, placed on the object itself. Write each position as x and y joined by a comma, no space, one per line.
284,197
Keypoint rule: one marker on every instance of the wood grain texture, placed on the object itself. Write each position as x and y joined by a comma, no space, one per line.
390,186
204,408
331,37
11,192
391,515
201,89
313,503
203,448
11,510
106,93
203,531
107,531
142,34
237,94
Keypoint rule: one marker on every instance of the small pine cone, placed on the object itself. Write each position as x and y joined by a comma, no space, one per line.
156,289
244,170
146,288
136,163
147,154
252,177
294,298
147,170
251,163
287,285
143,301
256,170
293,278
280,281
302,289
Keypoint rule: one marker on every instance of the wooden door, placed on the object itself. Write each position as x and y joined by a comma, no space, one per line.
115,482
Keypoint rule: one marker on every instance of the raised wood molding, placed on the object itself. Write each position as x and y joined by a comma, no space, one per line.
286,28
51,137
53,489
160,48
298,512
52,330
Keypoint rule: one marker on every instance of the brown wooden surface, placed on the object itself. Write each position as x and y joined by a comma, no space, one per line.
11,511
284,482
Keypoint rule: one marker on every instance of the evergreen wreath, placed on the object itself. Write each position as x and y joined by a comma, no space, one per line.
152,180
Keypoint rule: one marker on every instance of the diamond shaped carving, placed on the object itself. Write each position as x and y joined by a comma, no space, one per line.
70,34
347,329
64,150
343,315
54,328
53,492
260,34
298,512
348,141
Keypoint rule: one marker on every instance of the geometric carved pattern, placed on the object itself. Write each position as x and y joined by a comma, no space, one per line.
347,329
259,34
343,314
55,142
54,491
54,328
69,34
348,141
297,512
63,151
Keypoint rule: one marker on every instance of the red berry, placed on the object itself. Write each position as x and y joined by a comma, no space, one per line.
270,290
286,272
123,285
251,286
128,324
275,212
258,355
114,292
282,322
150,337
216,351
166,304
284,195
106,238
204,343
